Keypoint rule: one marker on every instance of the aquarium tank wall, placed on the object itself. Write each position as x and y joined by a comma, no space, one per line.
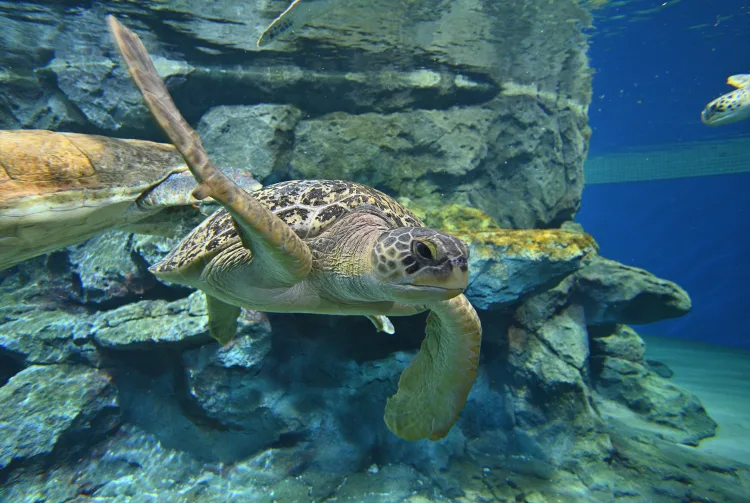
399,251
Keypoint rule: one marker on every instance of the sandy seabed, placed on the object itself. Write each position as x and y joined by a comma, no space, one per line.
720,376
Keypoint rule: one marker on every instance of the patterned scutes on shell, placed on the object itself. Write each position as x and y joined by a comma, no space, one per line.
308,206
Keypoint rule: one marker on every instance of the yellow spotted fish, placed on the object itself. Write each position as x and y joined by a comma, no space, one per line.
733,106
299,13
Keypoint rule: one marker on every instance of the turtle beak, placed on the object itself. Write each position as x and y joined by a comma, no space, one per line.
440,282
451,276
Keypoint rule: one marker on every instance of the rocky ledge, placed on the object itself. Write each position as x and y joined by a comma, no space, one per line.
294,404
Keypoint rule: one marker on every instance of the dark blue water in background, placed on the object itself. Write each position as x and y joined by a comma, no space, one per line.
654,76
652,79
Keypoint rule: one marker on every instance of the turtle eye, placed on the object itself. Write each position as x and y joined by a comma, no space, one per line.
421,250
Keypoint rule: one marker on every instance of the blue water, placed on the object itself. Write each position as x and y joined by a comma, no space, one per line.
652,79
692,231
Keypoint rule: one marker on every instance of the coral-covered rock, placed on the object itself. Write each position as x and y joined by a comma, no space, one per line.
671,411
151,323
615,293
258,138
108,271
506,265
42,337
54,408
452,218
554,416
620,374
619,342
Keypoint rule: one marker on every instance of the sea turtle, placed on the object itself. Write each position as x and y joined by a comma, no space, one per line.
731,107
328,247
299,13
58,189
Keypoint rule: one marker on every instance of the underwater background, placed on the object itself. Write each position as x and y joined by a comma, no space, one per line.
657,65
560,140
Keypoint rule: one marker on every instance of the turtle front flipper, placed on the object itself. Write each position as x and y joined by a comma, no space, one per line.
433,388
282,256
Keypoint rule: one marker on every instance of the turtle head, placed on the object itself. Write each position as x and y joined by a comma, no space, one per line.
418,264
732,107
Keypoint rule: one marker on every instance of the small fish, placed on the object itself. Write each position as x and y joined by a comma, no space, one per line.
733,106
299,13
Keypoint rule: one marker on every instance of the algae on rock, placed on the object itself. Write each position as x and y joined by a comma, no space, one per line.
47,409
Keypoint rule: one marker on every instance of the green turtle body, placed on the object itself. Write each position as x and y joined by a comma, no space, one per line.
328,247
367,252
59,189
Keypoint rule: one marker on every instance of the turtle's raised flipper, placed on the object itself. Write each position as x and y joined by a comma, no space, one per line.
382,324
222,319
282,256
433,388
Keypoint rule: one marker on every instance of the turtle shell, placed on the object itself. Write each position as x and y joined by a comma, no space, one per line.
57,189
307,206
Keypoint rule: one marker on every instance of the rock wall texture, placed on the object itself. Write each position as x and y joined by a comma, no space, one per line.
293,406
471,102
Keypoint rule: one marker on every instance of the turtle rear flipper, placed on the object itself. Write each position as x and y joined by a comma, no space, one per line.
278,252
177,190
433,388
181,211
222,319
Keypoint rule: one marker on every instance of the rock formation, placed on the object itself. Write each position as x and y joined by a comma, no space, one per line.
464,104
472,113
